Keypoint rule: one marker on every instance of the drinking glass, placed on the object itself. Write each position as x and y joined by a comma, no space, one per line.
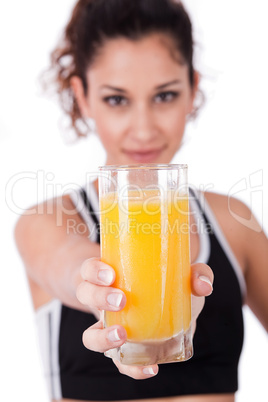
144,222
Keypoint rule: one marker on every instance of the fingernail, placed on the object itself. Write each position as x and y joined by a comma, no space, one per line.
148,371
114,299
113,335
106,276
205,279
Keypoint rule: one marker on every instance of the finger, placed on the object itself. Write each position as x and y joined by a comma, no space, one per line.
201,280
137,372
100,297
100,339
95,271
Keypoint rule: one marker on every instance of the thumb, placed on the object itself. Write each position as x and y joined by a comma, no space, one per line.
201,280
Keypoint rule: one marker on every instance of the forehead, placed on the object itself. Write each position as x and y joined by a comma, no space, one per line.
152,58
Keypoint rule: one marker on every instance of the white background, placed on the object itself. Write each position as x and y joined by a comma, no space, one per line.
226,149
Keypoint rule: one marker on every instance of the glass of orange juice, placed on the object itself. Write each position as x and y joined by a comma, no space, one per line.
144,221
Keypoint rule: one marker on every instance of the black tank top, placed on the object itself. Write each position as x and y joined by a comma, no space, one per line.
218,339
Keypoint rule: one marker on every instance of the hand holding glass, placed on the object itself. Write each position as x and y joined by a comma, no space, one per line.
145,238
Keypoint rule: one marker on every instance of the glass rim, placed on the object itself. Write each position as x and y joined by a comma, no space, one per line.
150,166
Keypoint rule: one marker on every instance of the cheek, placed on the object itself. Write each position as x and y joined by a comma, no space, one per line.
110,124
108,132
104,125
174,125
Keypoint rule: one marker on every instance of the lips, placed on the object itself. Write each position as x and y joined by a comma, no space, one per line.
144,156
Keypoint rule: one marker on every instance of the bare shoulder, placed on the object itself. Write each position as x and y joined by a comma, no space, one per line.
229,206
233,214
250,246
50,217
237,223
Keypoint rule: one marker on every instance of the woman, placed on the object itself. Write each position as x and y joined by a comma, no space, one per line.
129,67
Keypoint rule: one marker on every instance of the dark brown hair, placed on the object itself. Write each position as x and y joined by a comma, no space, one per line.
94,21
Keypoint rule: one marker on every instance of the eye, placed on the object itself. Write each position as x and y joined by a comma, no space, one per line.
115,100
165,97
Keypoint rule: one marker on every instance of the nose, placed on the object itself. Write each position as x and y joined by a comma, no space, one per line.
143,125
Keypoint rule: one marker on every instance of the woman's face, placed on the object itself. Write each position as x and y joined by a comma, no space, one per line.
139,95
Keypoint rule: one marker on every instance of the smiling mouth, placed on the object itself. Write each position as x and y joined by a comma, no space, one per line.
142,156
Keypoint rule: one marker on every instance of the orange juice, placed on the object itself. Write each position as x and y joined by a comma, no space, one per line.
146,241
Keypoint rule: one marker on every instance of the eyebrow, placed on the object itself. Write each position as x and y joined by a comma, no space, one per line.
113,88
168,84
120,90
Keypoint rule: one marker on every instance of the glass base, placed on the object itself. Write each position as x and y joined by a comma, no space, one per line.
176,349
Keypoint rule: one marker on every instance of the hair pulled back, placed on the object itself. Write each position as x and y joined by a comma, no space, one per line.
94,21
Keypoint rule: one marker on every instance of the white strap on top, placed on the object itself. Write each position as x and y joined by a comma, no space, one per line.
199,226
